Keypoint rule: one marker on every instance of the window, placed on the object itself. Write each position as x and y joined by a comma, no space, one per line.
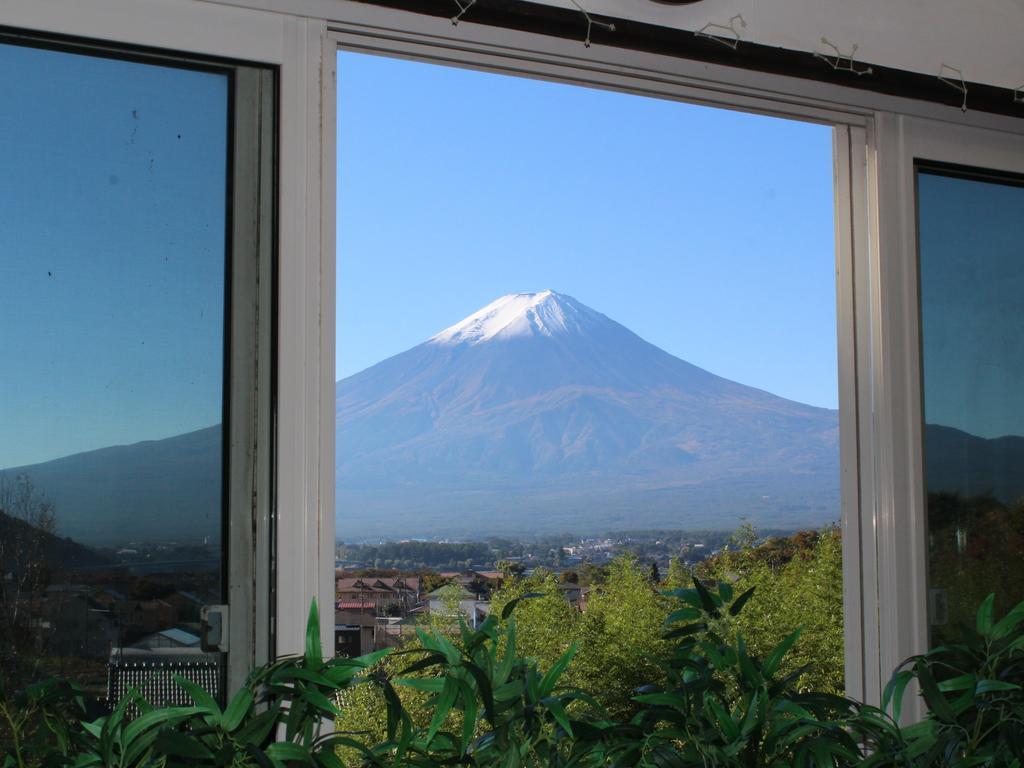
129,216
971,273
566,338
877,138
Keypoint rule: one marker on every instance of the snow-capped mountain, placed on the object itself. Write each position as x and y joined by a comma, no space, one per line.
540,413
522,314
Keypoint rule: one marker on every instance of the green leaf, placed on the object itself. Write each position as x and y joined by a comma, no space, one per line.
988,686
683,614
94,728
469,716
258,755
547,685
485,689
157,717
1009,622
328,759
139,747
370,659
984,621
443,706
659,699
180,745
894,692
689,629
203,700
725,591
256,731
728,726
706,600
554,706
314,656
959,683
283,750
774,659
237,710
933,697
740,601
511,604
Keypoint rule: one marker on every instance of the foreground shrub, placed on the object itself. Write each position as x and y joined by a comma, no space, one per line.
484,703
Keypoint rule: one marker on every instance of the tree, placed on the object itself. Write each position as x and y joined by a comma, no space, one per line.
27,529
590,574
511,569
546,625
620,637
799,585
678,574
450,597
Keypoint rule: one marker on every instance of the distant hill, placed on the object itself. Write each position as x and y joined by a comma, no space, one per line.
156,490
534,415
59,553
963,463
539,414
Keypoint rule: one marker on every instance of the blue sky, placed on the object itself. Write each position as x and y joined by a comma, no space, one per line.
707,232
112,221
972,268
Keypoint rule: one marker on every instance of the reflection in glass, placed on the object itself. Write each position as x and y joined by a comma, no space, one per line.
971,239
112,276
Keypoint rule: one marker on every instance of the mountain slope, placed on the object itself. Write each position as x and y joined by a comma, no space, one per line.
539,411
156,490
959,462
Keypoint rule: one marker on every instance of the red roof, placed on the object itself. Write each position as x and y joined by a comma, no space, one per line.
372,584
347,606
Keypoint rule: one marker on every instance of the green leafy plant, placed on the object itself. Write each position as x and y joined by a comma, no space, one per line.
39,725
490,706
281,716
486,704
724,706
974,691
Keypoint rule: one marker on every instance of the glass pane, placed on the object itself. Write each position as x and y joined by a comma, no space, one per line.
972,278
112,275
573,359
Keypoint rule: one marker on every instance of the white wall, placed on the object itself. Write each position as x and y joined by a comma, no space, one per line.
983,38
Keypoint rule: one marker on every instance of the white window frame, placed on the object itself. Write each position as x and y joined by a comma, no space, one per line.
903,141
303,550
536,56
882,506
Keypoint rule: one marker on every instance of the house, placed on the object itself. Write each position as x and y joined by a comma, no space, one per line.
168,638
479,583
353,630
911,88
575,593
396,594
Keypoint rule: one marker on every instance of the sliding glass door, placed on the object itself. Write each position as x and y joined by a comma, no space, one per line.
127,393
971,251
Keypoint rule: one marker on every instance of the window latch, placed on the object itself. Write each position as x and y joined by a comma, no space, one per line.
213,628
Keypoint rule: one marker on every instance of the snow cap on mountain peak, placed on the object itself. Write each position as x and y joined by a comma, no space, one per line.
544,313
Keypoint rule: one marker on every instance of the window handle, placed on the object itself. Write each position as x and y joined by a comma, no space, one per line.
213,628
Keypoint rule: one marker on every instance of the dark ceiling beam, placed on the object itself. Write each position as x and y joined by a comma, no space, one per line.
668,41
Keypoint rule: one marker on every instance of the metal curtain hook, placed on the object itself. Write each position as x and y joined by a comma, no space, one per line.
591,23
959,84
840,61
729,42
